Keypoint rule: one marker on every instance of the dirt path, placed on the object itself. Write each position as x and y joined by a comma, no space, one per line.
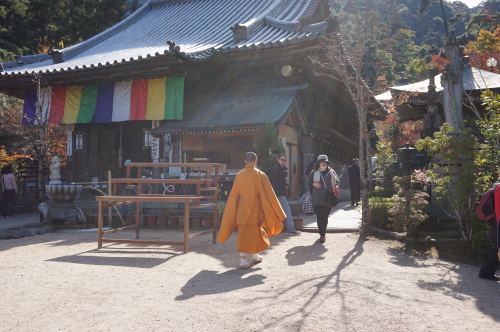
59,281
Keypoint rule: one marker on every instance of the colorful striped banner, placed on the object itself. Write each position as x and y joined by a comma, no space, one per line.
141,99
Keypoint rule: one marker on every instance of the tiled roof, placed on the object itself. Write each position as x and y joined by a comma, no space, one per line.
201,28
473,79
233,111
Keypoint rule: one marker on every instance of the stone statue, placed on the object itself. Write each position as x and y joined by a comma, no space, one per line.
55,174
451,80
432,120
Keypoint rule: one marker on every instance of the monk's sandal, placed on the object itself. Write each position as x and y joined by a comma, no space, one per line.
257,258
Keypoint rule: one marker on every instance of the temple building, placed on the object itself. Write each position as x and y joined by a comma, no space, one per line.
193,80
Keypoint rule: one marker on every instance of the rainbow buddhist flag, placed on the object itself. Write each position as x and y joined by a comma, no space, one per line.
141,99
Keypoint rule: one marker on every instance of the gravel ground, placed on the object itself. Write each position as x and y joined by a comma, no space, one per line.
61,282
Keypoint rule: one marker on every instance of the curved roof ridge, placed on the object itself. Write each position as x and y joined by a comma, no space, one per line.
289,25
255,22
26,59
296,25
297,13
309,11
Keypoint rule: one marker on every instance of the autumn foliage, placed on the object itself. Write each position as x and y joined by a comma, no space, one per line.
19,142
439,62
398,134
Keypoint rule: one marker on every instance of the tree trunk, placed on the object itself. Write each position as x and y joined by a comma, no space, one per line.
444,19
41,188
42,133
363,134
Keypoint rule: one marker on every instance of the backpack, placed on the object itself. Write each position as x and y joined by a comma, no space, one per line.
486,208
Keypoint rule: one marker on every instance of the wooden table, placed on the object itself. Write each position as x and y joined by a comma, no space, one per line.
190,202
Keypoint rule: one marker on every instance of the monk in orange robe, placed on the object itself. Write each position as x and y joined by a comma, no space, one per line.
254,210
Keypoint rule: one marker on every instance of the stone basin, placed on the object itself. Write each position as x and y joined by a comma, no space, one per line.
61,209
64,192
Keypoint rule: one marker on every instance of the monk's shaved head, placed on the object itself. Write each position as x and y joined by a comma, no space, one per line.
250,157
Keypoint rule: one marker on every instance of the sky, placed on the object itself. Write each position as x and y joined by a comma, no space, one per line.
471,3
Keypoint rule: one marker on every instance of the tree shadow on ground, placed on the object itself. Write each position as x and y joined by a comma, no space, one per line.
459,281
300,255
316,286
202,283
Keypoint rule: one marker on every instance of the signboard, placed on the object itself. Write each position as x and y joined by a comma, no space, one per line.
69,143
155,143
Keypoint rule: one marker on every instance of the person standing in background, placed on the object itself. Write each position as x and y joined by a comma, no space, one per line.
9,191
354,181
277,177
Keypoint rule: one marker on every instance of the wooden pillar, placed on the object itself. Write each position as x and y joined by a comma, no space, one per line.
99,226
137,219
216,201
110,193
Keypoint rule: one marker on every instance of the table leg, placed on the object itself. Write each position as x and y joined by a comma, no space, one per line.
99,226
214,225
137,219
186,227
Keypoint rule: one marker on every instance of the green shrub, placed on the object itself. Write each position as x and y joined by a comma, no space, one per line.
432,222
480,242
378,211
409,206
477,224
383,192
433,217
480,231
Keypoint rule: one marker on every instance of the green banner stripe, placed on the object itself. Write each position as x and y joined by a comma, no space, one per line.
87,104
174,98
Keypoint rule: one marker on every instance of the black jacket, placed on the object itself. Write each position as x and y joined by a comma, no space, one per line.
277,177
354,176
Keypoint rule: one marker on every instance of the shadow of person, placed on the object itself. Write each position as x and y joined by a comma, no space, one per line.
211,282
301,254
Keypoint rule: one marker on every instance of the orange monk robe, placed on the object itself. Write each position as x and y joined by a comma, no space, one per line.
252,207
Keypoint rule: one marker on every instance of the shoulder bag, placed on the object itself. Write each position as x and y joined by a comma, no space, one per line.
331,200
307,204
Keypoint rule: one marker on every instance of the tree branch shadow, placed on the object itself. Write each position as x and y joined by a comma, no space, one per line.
319,283
459,282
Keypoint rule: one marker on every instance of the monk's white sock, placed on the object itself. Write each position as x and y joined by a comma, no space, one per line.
243,259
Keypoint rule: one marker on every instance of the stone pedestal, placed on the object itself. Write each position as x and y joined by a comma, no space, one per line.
61,209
